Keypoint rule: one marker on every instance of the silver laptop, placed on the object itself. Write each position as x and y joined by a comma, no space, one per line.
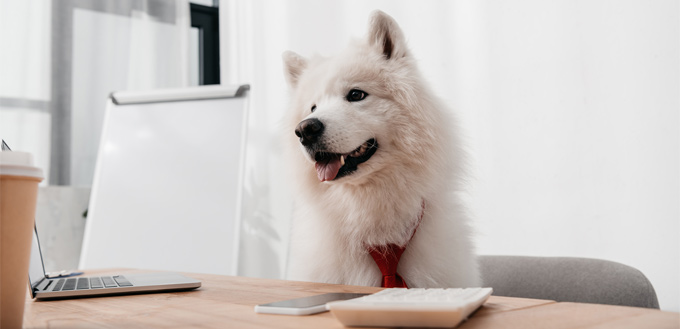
42,287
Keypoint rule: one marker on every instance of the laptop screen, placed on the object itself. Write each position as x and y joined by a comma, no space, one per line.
36,268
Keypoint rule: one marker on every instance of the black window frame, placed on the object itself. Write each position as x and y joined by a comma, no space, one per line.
207,20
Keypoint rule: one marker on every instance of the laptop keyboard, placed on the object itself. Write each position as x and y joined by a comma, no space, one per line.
91,283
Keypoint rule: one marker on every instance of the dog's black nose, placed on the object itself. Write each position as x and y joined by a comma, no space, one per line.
309,131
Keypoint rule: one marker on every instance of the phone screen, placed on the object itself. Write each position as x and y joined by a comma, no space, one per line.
305,305
305,302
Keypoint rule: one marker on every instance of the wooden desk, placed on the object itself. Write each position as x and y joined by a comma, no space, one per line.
227,302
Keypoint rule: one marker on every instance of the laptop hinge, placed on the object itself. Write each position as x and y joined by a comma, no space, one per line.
44,283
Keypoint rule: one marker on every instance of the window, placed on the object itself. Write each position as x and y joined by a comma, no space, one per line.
205,21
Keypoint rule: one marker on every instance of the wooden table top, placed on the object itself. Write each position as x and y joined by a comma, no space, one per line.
228,302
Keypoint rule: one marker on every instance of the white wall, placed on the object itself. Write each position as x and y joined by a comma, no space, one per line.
572,118
570,112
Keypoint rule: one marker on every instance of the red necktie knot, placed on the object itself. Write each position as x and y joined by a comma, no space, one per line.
387,259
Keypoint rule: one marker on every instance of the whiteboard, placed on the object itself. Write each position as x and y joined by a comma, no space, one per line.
166,193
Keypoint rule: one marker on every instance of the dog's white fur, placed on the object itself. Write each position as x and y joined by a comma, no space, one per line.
418,159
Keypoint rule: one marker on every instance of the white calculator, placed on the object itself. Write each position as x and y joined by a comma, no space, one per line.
400,307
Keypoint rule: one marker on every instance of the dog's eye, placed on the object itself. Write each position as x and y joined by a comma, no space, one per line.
313,108
355,95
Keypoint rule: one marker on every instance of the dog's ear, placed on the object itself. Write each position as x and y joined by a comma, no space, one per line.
385,34
294,65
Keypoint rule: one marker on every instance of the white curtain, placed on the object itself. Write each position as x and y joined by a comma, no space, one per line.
25,120
137,52
60,60
569,111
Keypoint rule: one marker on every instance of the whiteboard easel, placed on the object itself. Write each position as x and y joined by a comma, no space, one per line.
167,188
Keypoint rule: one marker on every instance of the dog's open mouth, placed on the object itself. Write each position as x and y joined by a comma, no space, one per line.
330,166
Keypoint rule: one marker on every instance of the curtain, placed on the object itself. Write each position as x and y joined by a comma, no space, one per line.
25,118
569,111
60,60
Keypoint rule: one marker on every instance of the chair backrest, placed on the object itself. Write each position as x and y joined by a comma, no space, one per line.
566,279
167,186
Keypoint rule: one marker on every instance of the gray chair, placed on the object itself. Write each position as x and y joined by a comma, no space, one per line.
566,279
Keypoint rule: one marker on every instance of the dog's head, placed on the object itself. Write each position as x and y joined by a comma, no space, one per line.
353,114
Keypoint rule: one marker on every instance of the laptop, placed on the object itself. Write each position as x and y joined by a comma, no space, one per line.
43,287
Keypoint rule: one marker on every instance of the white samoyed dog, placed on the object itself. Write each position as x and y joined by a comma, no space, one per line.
376,166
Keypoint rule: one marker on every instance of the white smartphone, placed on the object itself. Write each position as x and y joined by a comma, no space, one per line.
304,305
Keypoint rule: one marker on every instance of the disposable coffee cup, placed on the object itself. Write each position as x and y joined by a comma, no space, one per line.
18,196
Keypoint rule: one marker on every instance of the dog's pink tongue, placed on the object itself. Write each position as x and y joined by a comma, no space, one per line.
327,169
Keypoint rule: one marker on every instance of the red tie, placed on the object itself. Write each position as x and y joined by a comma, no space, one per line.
387,258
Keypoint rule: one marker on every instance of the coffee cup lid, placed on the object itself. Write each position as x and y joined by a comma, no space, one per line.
19,164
